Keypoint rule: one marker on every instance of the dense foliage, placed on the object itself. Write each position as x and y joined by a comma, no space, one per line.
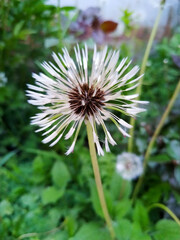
52,196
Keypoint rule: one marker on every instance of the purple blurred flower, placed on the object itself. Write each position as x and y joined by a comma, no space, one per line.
90,24
176,60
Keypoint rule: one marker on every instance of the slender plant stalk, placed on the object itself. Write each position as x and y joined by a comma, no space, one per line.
159,205
142,71
98,179
156,133
59,24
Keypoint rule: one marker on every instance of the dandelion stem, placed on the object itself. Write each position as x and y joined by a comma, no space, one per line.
98,179
156,133
142,71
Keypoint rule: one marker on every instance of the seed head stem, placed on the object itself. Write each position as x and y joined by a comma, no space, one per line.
98,179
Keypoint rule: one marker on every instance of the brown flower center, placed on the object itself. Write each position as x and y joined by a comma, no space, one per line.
89,101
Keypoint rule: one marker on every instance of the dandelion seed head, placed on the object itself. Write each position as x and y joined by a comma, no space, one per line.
129,165
88,102
165,61
72,94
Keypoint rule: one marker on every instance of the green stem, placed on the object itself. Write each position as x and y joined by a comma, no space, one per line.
159,205
142,71
156,133
59,24
98,179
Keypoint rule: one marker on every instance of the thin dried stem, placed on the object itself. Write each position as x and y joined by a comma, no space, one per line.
142,71
162,206
156,133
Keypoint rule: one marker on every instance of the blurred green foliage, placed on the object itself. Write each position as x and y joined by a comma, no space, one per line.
127,20
53,196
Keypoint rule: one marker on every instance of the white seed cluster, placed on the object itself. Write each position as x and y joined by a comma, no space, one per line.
70,94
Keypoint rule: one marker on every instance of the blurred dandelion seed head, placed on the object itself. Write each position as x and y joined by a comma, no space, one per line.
69,95
129,165
165,60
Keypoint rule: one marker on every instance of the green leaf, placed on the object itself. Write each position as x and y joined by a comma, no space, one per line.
123,229
60,174
46,154
25,33
18,28
141,236
51,195
140,215
38,164
173,149
154,194
54,215
71,225
68,8
7,157
119,187
29,200
60,235
137,233
122,208
161,158
41,166
177,174
167,230
5,208
91,231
